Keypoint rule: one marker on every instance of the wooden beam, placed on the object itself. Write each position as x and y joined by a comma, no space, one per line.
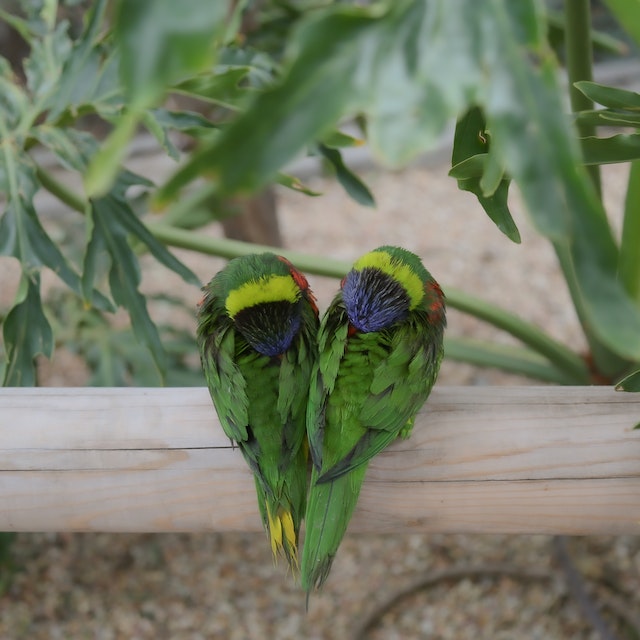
481,459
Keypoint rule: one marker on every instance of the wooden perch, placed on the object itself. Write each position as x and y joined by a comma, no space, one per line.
481,459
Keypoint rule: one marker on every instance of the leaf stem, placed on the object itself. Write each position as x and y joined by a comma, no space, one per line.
61,191
513,359
568,362
226,248
629,258
579,54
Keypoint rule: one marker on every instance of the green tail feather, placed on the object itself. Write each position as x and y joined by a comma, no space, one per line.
330,506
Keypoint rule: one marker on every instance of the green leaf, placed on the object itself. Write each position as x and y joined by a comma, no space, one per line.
111,221
337,139
352,184
21,233
610,96
600,39
629,259
186,121
470,168
89,76
222,87
293,183
70,146
409,69
630,383
163,41
160,43
161,122
121,213
472,162
628,14
619,148
124,275
608,118
44,64
27,334
13,102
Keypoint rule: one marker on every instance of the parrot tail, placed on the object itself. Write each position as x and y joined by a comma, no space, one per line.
282,534
329,509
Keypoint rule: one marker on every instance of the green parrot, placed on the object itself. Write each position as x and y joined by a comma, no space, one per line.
380,347
257,330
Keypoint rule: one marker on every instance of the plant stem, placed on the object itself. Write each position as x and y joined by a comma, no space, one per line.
571,364
629,259
61,191
563,358
579,54
226,248
518,360
578,47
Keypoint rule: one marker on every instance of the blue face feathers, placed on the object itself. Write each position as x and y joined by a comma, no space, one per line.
374,300
269,327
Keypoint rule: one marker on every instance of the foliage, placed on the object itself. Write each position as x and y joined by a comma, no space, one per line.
279,78
113,355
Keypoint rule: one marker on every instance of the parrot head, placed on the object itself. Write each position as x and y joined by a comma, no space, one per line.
263,295
385,285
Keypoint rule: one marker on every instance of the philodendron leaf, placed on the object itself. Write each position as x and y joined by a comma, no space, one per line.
472,163
295,184
627,13
352,184
337,139
611,97
608,118
27,334
630,382
623,147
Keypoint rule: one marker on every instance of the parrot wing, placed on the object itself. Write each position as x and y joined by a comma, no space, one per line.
227,386
332,342
401,383
295,372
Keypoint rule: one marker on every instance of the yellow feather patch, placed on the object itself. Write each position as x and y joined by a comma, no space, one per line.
275,532
288,528
282,535
267,289
398,270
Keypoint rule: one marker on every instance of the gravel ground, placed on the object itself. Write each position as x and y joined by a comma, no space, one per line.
180,586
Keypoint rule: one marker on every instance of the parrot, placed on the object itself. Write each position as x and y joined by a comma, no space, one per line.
257,328
380,345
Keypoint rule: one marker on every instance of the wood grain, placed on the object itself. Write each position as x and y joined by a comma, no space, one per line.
481,459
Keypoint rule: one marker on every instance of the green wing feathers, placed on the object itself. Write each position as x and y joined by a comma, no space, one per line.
329,510
366,390
260,399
